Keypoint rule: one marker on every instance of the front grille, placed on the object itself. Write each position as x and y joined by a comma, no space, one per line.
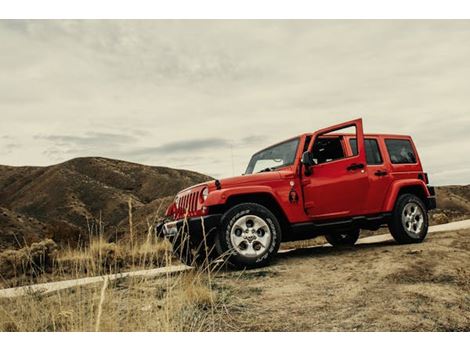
187,204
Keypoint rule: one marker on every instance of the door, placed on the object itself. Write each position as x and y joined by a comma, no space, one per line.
336,185
377,169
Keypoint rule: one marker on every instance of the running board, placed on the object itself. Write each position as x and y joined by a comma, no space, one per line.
305,230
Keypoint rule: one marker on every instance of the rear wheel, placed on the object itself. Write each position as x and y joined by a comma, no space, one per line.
249,235
409,223
344,239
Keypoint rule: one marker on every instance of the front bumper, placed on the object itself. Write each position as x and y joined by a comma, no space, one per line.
194,227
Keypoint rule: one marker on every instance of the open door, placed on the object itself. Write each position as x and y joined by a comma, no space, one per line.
336,185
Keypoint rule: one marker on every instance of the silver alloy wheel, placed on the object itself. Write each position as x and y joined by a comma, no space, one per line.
412,219
250,236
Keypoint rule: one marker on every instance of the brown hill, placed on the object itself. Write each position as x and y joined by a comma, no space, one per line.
17,229
453,202
68,200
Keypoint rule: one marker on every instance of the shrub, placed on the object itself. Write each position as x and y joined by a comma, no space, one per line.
32,260
439,218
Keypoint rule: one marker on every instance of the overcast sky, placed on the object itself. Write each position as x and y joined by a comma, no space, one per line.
205,95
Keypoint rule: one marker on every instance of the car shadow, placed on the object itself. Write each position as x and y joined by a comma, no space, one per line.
309,252
322,251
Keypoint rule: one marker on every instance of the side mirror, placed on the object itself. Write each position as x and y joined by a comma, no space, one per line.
307,159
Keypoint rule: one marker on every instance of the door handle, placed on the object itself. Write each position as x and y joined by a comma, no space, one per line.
355,167
380,173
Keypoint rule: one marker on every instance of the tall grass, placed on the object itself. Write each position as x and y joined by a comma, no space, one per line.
175,302
182,302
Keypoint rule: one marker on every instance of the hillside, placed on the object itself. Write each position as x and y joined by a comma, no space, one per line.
453,202
67,200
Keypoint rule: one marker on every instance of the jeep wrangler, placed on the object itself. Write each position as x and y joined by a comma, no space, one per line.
333,182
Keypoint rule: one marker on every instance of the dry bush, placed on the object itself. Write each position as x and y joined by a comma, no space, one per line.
103,257
31,260
439,218
45,261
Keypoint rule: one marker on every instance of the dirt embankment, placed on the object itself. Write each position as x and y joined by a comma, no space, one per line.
371,287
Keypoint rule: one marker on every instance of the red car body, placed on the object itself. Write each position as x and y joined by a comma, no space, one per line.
309,200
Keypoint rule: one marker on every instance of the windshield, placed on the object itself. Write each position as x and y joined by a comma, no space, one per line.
282,154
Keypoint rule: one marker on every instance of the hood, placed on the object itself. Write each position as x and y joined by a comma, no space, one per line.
243,180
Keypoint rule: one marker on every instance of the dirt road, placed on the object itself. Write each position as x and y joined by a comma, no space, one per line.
378,286
49,287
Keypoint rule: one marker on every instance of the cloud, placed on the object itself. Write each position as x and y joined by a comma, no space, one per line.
89,139
10,147
61,146
187,146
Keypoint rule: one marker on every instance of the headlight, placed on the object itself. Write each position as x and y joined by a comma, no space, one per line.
205,193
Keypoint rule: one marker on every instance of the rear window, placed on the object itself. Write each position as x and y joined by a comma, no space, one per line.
400,151
373,156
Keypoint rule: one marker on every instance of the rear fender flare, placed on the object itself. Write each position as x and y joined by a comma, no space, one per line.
399,185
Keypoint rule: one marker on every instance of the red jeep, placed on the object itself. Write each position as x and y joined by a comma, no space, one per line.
329,183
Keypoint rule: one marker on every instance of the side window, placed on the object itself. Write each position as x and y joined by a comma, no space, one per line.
327,149
373,156
400,151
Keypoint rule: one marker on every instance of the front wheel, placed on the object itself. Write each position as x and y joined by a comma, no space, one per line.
409,223
347,239
249,235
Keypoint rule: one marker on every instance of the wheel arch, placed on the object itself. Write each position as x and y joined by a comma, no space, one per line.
415,187
265,199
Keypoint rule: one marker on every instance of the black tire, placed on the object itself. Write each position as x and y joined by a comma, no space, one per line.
347,239
414,230
265,238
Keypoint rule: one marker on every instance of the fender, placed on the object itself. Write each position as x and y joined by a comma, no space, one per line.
220,196
397,186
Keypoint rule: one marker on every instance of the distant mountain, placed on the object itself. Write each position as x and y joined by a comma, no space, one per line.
66,201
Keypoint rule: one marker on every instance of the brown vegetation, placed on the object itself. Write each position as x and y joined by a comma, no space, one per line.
44,261
177,302
183,302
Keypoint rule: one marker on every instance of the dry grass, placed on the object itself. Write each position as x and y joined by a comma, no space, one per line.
101,257
45,261
30,261
177,302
